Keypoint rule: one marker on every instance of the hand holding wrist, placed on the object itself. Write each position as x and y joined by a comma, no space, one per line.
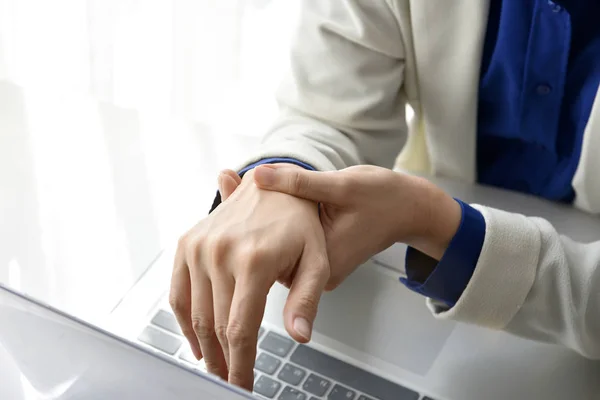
365,209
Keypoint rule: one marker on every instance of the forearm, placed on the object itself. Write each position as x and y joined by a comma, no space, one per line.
437,219
441,258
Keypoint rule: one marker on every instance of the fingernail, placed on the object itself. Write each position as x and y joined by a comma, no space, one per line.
302,328
265,176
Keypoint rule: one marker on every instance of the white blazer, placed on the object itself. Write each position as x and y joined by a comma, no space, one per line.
354,66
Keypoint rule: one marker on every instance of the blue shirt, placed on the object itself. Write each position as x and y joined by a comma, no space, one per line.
540,73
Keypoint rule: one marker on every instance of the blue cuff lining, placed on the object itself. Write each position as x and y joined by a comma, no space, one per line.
453,272
276,160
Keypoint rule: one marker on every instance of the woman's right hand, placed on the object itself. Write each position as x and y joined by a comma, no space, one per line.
226,264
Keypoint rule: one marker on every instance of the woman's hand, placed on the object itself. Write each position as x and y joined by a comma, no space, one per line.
226,264
365,209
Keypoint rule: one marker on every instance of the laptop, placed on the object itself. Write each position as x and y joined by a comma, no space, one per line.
373,339
46,354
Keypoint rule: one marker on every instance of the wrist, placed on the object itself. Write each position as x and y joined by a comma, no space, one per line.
437,220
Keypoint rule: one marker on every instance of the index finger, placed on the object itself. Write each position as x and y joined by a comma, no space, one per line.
247,310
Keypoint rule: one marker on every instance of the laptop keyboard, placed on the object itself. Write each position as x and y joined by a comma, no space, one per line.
285,370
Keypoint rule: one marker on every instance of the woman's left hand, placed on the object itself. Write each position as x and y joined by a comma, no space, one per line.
366,209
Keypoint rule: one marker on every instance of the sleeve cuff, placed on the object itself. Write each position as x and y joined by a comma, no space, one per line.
276,160
446,280
272,160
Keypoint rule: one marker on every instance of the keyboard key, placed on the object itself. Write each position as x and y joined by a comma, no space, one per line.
261,330
363,397
160,340
289,393
267,387
341,393
349,375
188,356
291,374
276,344
266,363
427,398
166,321
316,385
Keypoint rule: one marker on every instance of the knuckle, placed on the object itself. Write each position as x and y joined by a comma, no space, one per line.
238,336
221,332
237,376
218,248
182,242
299,183
203,326
192,251
211,365
189,334
253,256
177,304
307,301
321,267
257,257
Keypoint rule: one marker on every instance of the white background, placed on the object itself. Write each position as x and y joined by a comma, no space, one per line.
115,117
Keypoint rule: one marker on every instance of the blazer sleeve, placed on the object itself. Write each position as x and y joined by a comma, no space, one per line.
533,282
341,101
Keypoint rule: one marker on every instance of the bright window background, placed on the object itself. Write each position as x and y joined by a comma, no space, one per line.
205,60
115,118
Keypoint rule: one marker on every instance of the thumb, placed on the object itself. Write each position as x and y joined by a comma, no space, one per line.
228,183
322,187
302,303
